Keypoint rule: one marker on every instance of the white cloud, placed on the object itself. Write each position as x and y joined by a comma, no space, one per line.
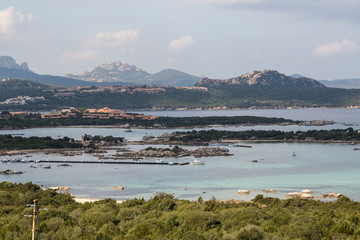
13,24
224,2
102,44
80,55
10,20
305,9
335,48
122,36
182,43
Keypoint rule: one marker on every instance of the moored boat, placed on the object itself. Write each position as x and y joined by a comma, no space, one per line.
197,162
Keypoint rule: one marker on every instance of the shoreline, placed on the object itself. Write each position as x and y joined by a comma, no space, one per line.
91,200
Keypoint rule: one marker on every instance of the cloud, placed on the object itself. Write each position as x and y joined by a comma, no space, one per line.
13,24
102,44
182,43
80,55
305,9
335,48
224,2
121,36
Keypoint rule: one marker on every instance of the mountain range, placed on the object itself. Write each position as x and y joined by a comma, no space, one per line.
115,73
120,74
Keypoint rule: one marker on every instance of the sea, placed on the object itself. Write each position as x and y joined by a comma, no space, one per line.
322,168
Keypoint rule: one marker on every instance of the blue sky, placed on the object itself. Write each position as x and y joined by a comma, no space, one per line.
213,38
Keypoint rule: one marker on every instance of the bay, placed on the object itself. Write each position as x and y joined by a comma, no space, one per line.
320,167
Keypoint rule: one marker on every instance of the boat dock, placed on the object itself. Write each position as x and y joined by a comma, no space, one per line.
112,162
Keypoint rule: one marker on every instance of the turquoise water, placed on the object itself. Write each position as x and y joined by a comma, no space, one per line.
320,167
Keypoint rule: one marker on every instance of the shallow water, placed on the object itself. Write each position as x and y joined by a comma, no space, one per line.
320,167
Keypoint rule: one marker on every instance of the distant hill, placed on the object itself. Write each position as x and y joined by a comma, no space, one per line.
297,76
264,79
174,78
10,69
342,83
10,63
122,72
10,88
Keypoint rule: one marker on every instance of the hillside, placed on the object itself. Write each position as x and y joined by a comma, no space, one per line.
264,79
172,77
342,83
10,88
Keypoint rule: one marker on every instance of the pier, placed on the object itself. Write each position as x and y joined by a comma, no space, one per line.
111,162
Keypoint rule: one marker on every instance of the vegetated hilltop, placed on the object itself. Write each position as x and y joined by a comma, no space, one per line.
259,89
166,217
172,77
264,79
131,75
10,88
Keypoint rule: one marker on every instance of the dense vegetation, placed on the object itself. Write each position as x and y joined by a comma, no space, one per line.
34,120
165,217
348,135
10,142
232,96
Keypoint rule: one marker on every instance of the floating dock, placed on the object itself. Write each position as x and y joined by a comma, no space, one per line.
111,162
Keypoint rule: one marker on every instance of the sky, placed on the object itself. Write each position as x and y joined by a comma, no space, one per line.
213,38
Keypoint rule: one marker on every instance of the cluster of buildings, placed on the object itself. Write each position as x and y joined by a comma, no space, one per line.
103,113
119,89
21,100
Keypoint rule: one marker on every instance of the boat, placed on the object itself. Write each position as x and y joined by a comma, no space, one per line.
197,162
293,154
128,130
171,163
25,160
159,160
5,160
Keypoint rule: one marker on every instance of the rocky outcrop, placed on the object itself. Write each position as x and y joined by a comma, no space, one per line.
10,172
112,72
10,63
265,78
180,152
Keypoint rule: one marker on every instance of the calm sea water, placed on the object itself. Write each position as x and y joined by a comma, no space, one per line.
320,167
339,115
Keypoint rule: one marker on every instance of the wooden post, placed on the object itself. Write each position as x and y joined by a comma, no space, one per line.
36,221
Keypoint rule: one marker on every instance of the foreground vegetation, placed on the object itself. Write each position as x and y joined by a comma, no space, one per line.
344,135
8,121
165,217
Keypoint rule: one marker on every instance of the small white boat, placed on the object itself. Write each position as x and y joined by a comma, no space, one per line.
171,163
197,162
5,160
159,160
293,154
25,160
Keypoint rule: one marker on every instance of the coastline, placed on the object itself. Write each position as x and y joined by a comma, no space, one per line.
91,200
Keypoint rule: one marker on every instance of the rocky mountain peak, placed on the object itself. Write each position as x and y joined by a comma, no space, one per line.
265,78
112,72
9,62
